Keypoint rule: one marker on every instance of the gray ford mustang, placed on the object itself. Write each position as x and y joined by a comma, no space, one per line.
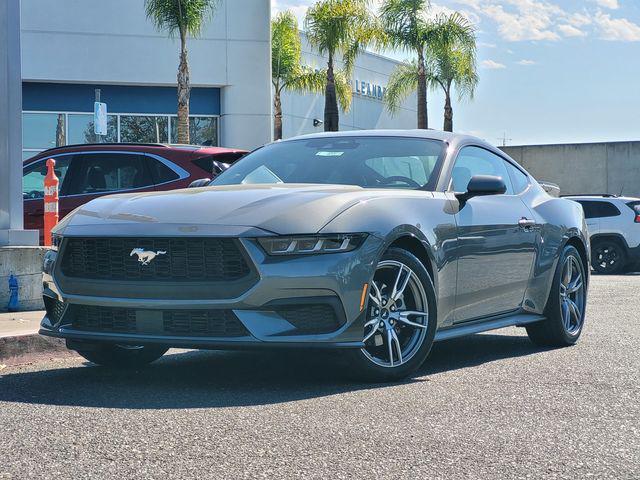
373,243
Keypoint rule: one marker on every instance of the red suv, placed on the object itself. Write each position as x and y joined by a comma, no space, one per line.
90,171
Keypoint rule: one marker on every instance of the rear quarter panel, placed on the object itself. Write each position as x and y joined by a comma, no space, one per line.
559,220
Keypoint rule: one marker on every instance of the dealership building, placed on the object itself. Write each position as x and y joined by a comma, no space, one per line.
71,48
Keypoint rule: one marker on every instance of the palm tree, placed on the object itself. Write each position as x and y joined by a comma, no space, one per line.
452,62
338,27
288,74
181,17
407,27
448,57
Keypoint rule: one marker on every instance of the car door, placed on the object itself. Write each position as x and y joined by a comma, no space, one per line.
33,189
496,241
102,173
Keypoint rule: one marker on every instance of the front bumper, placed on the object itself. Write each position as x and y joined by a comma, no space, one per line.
268,313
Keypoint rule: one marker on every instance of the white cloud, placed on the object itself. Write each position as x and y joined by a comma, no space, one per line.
571,31
617,29
298,7
579,19
492,65
527,63
520,20
612,4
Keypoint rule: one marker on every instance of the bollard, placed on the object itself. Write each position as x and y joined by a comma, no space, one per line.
51,183
13,294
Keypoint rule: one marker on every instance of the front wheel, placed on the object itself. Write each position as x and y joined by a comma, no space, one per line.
400,319
566,305
122,356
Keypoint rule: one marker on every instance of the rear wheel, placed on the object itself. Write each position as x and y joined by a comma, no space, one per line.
608,257
122,356
401,319
566,305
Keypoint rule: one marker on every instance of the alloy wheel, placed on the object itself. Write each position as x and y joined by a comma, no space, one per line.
397,315
572,295
606,257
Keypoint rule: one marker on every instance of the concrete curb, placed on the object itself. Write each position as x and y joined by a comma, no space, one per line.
21,349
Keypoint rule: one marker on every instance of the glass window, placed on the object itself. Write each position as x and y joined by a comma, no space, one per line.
341,160
202,131
105,172
143,129
160,173
414,168
595,209
33,176
473,161
43,130
519,180
81,129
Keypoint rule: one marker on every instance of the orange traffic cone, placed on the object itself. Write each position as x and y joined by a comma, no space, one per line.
51,183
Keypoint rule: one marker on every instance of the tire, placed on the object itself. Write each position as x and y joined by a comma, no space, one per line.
410,342
122,356
608,257
558,330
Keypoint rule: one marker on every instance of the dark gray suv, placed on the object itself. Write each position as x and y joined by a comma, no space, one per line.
374,243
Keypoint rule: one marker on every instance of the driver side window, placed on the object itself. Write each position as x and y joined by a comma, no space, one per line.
414,168
473,161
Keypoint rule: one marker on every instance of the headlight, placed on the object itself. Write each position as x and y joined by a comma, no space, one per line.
311,244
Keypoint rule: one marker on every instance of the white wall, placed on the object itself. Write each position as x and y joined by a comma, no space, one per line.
365,113
112,41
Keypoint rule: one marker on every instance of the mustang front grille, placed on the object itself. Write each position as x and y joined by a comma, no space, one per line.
187,323
154,259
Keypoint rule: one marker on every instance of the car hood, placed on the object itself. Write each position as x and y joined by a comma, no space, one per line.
281,209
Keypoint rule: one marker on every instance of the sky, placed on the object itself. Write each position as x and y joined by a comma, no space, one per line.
551,71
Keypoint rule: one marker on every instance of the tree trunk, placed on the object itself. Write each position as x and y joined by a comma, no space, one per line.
277,116
423,118
448,112
331,114
184,91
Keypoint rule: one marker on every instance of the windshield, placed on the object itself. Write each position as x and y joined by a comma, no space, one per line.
370,162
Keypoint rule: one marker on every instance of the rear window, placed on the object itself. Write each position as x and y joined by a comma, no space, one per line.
595,209
635,206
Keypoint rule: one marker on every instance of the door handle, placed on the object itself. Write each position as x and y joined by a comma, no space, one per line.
526,223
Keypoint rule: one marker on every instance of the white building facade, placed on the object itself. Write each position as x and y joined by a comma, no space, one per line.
71,48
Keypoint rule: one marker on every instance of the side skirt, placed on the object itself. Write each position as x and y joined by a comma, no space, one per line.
464,329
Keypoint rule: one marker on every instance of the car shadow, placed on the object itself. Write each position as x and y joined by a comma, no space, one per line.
210,379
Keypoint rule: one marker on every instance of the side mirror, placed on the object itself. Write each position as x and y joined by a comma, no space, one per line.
481,185
201,182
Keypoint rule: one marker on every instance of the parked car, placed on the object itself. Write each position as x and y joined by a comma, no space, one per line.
614,228
92,170
375,243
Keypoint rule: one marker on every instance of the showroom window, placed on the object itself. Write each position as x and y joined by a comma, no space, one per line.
43,130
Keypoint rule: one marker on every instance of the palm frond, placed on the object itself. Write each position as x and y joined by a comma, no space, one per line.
402,81
344,91
180,16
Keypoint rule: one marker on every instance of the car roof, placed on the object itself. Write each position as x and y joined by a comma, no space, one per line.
448,137
601,197
416,133
158,148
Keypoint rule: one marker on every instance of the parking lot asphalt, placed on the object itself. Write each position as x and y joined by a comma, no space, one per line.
488,406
